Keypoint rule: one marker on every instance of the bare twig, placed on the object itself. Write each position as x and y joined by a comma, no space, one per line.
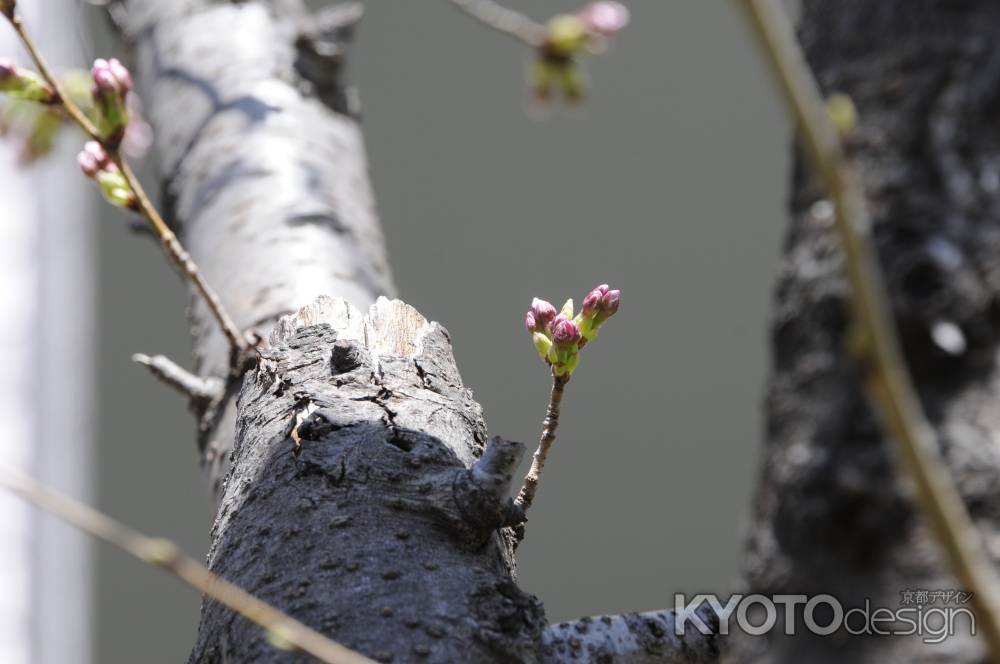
501,19
198,389
174,248
887,383
282,630
237,341
527,493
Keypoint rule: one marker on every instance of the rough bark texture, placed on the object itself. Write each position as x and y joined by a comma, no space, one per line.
635,638
832,515
264,168
376,527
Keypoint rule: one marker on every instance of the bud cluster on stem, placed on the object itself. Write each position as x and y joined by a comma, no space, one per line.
112,84
22,83
566,38
559,335
96,163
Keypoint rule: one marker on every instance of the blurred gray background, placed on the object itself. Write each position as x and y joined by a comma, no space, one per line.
668,183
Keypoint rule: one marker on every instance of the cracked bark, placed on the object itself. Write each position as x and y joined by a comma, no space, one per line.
831,513
355,486
381,528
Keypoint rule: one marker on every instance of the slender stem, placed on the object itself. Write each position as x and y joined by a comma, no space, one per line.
62,98
237,341
501,19
166,555
887,382
527,493
181,257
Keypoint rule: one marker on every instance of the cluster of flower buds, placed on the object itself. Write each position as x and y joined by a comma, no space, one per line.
112,83
97,164
24,84
559,335
567,37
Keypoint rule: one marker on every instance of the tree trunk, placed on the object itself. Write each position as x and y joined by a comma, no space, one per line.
832,514
358,492
264,169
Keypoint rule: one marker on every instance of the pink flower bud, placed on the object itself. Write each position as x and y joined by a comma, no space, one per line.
539,316
604,18
592,303
8,70
565,332
99,153
94,159
121,75
599,305
104,81
111,78
610,302
88,164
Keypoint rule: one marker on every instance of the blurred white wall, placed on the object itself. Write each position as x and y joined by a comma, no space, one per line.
46,329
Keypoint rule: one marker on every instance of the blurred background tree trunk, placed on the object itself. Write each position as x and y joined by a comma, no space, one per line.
832,515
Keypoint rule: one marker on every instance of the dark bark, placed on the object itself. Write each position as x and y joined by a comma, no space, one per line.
373,528
832,514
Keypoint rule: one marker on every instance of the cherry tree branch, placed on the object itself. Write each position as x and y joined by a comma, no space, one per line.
284,631
876,345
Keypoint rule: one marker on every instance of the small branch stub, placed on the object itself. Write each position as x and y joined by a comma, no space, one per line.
200,391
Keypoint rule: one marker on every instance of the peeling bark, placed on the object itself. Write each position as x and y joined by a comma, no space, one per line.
832,515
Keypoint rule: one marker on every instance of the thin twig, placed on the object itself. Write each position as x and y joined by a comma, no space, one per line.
62,98
886,380
237,341
527,493
181,257
499,18
166,555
